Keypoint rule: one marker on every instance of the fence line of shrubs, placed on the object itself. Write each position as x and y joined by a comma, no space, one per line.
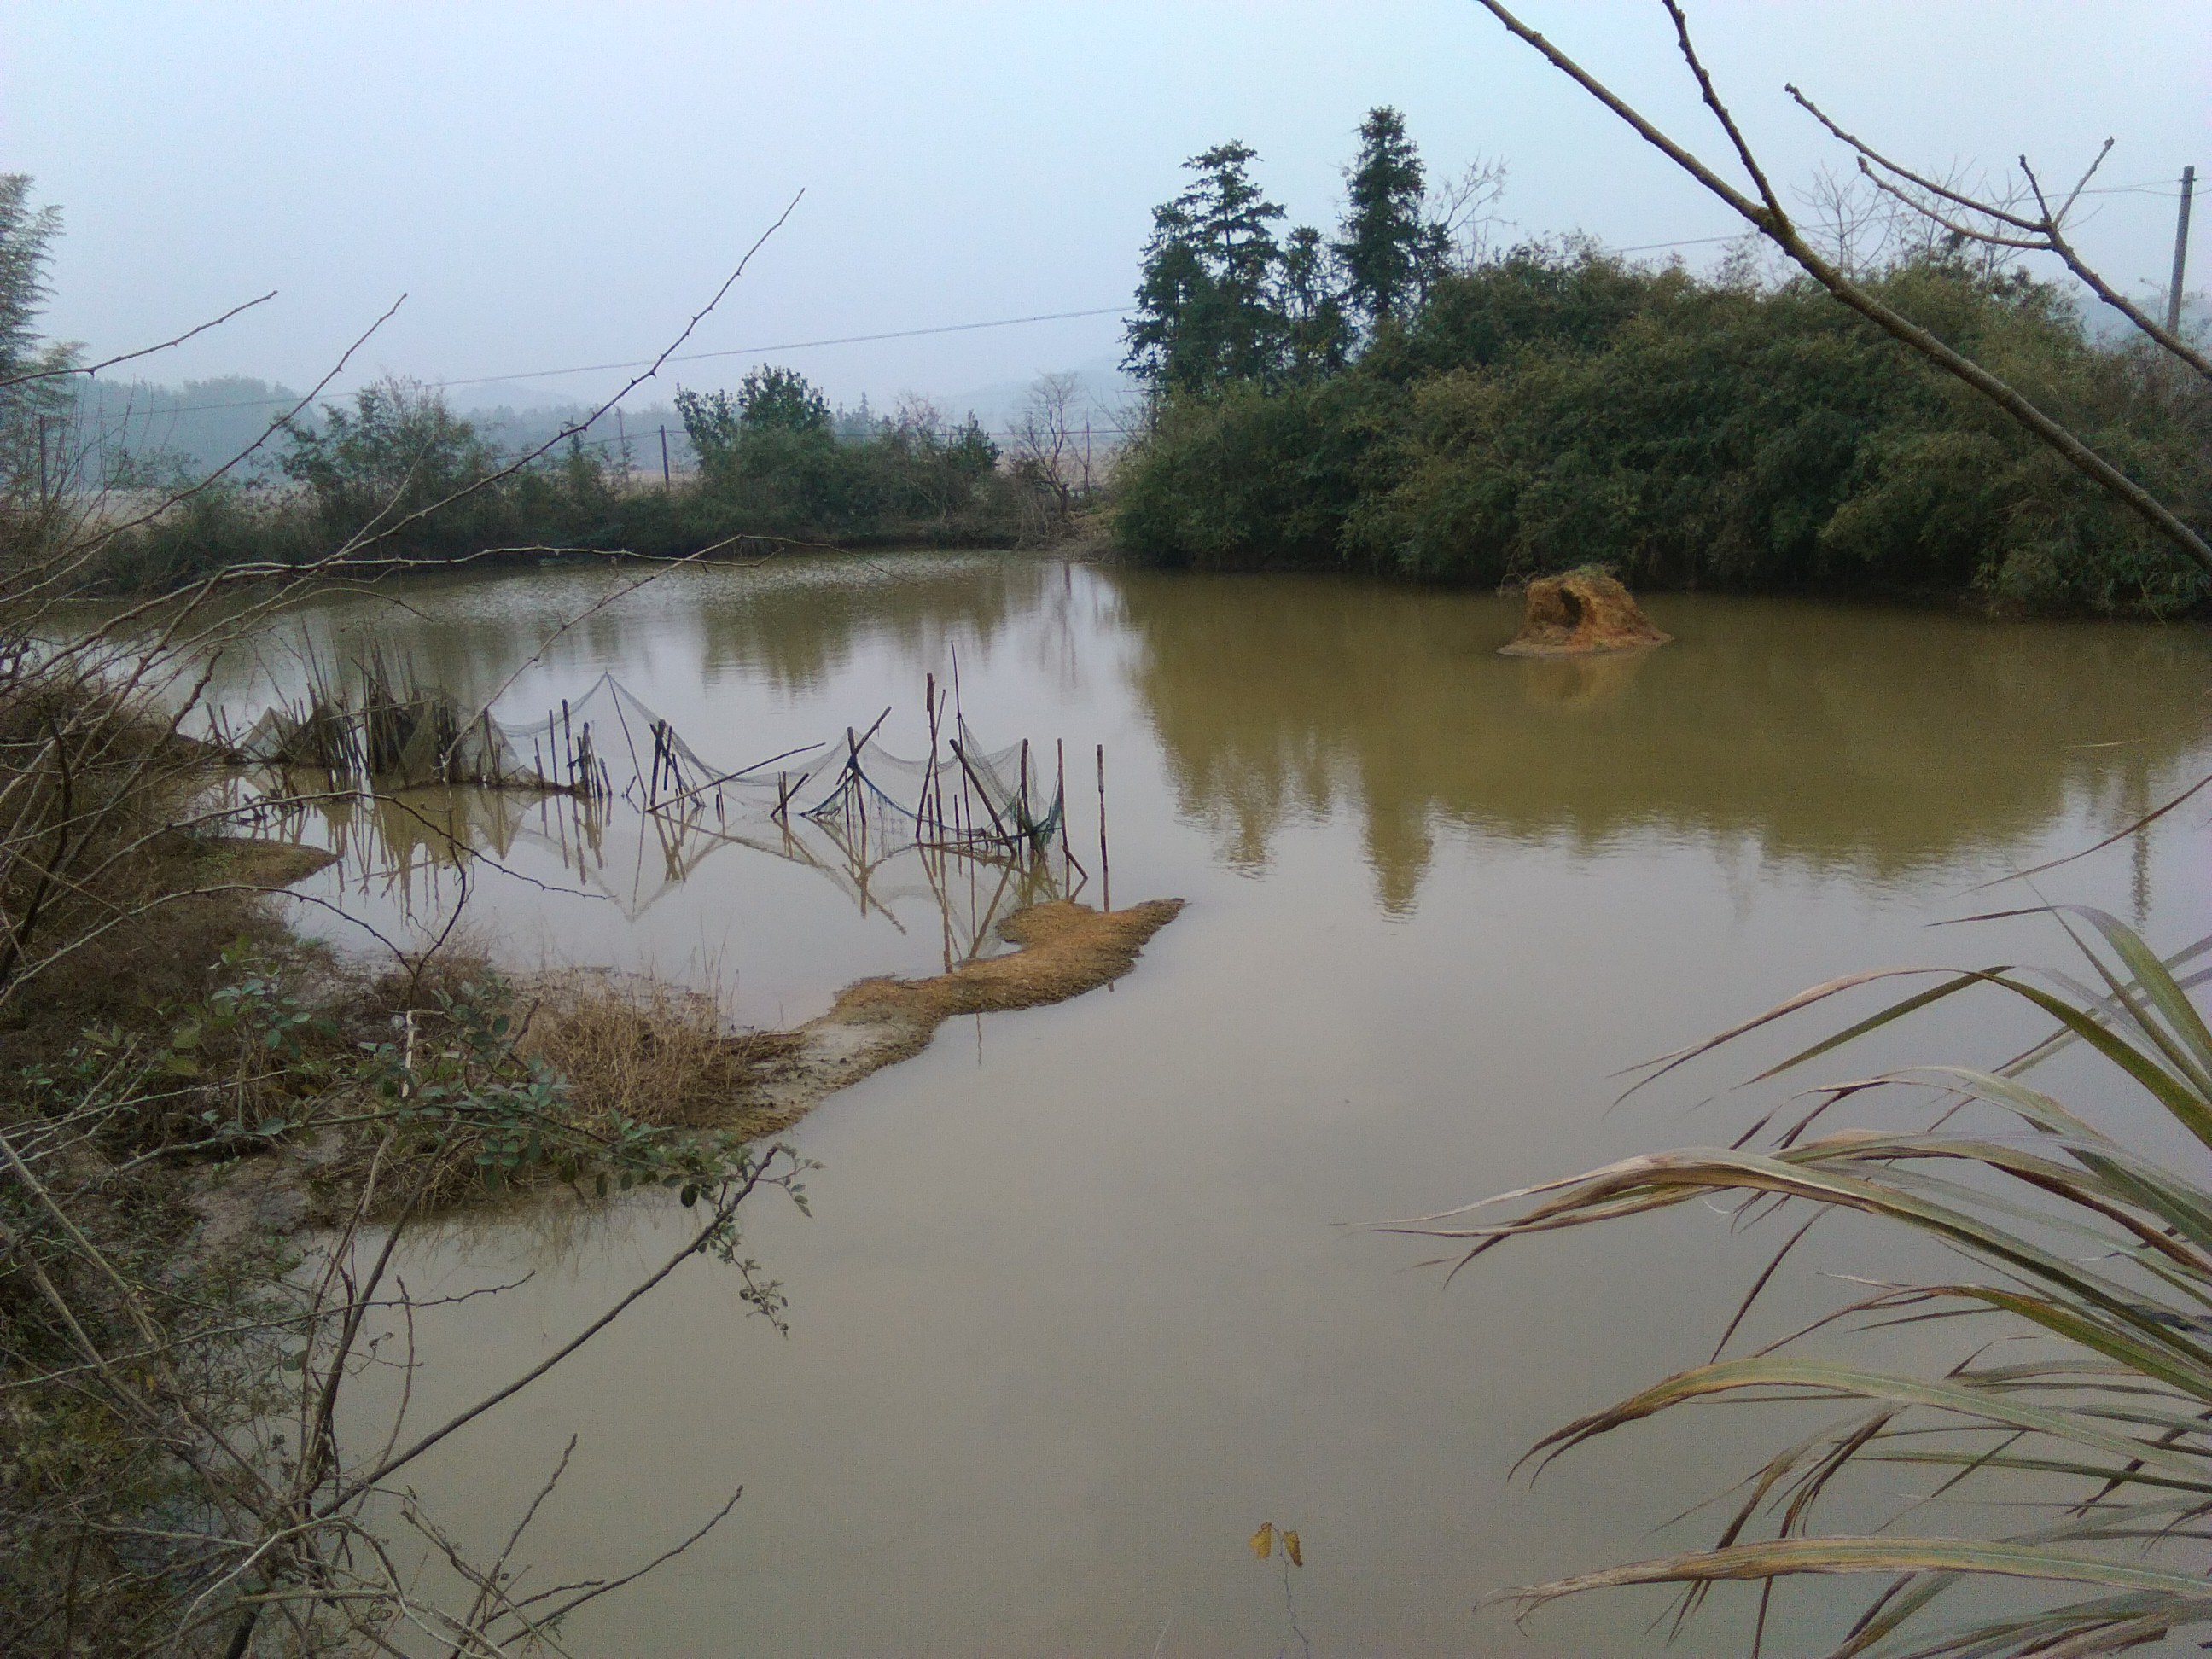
772,462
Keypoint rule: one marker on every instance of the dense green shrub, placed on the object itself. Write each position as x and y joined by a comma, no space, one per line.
223,525
1558,406
1257,476
771,459
396,452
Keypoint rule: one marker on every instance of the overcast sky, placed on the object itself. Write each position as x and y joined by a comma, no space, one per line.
562,185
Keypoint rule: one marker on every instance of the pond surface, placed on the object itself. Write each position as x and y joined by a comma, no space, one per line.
1075,1311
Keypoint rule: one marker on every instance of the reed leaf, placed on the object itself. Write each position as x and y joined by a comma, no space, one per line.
2102,1250
1782,1557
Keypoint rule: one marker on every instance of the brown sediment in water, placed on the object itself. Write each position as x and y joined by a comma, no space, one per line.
1065,950
1580,613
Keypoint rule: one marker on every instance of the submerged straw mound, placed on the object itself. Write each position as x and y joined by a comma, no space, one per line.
1579,613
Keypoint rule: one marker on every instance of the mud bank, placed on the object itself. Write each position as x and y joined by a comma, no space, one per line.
1065,948
656,1056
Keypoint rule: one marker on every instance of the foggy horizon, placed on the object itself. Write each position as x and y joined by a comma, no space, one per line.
553,191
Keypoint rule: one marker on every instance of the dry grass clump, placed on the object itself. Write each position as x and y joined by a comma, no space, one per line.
647,1051
606,1065
1580,613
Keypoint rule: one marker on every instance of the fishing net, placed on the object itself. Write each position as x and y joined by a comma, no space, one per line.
610,744
605,784
964,794
401,742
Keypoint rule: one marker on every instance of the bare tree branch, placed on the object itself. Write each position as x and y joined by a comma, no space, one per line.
1767,216
2045,233
130,356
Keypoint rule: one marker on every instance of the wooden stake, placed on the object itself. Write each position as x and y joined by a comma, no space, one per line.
1028,818
1059,793
922,811
1105,876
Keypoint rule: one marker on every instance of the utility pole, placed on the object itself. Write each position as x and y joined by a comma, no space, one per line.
2180,252
664,455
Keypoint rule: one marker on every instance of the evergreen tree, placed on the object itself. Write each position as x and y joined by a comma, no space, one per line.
1315,329
26,235
1388,250
1206,314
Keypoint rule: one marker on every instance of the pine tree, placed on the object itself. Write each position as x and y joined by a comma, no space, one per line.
1315,329
1206,303
33,392
1388,250
27,234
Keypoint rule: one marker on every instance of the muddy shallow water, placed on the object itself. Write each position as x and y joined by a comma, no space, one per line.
1075,1311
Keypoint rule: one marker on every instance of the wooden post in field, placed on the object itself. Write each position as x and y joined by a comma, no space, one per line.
664,455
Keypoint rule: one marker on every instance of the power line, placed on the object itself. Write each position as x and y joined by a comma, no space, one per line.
1687,241
699,356
787,345
2148,188
800,345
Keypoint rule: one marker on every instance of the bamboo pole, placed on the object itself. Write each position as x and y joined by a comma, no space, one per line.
996,822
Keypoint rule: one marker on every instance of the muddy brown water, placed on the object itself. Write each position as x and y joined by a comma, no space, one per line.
1076,1310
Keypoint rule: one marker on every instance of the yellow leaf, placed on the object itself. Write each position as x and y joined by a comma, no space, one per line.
1263,1542
1291,1549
